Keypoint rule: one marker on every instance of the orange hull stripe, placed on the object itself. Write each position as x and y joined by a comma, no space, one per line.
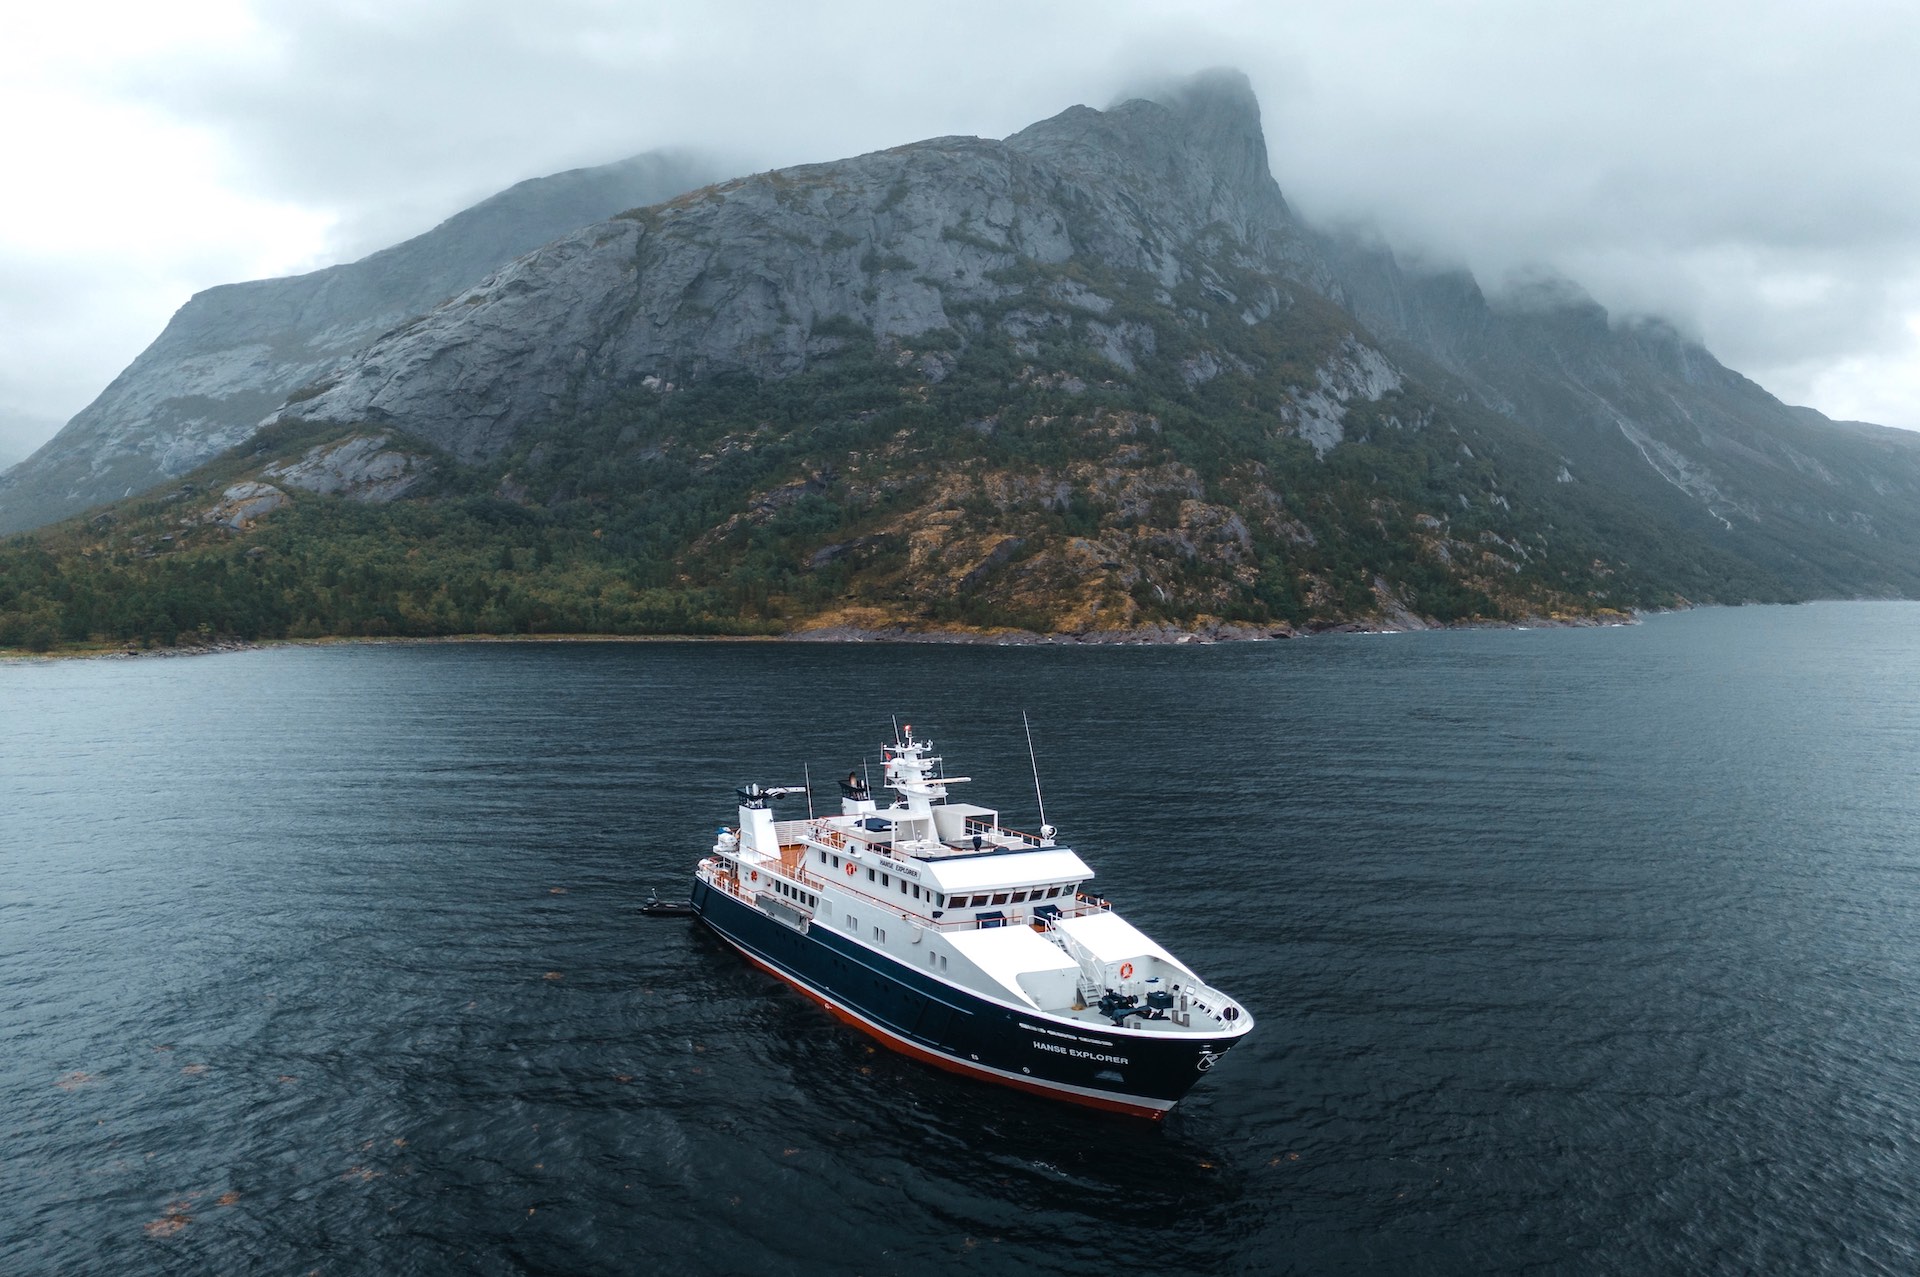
945,1062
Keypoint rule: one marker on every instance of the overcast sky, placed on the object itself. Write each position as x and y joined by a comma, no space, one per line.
1748,170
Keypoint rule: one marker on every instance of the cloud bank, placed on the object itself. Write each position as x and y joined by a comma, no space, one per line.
1744,170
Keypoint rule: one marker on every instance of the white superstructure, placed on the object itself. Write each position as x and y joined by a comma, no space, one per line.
943,888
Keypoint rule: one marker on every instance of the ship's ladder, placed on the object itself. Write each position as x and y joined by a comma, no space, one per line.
1093,973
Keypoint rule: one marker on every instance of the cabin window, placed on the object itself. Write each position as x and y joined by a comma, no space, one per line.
823,857
916,891
853,923
869,875
880,935
885,881
943,962
939,901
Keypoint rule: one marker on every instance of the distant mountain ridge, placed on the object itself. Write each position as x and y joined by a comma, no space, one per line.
934,238
232,354
1094,379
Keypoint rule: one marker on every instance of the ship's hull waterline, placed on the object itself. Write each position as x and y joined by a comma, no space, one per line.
936,1023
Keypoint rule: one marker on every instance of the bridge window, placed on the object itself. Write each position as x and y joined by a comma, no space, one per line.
1000,897
1019,897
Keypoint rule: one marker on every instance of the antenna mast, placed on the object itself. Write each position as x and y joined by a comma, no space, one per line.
1033,758
806,778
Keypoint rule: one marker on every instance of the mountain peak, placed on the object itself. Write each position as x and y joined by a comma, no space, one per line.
1200,136
1220,98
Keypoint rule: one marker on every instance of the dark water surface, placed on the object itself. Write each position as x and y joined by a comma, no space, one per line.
1574,951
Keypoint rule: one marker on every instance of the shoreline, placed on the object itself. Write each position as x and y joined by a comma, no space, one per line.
1148,636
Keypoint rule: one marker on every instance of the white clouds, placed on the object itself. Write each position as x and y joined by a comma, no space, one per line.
1743,167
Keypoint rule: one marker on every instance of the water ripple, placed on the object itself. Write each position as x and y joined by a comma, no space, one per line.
1573,950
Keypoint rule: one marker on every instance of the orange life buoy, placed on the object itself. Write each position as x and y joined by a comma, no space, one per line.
852,869
754,876
1126,971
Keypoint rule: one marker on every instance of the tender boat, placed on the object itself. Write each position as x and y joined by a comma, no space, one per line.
658,908
962,943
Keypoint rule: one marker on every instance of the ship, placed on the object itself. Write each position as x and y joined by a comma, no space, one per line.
961,943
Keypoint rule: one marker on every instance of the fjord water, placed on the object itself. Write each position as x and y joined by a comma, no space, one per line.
1574,950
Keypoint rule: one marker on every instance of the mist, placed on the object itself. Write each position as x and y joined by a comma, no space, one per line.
1743,171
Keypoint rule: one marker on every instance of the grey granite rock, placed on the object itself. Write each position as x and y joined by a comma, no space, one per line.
244,502
361,467
234,353
750,275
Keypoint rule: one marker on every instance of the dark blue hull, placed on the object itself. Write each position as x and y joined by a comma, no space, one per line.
951,1028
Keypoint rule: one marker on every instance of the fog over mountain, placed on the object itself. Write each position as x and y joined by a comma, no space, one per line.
1094,381
1742,170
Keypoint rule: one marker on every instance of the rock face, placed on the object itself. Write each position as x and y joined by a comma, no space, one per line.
244,502
1090,378
234,353
1139,236
1644,412
361,467
762,274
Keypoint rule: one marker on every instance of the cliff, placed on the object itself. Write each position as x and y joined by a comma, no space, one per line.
233,354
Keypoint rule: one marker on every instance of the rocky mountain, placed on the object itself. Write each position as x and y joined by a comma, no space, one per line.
232,354
1093,379
765,274
1656,419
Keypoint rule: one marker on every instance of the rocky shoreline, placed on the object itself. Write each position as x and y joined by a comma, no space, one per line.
1147,636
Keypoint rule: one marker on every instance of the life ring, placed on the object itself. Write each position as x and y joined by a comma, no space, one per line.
1126,971
852,869
754,876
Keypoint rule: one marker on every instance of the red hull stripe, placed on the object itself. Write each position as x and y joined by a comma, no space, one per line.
1154,1109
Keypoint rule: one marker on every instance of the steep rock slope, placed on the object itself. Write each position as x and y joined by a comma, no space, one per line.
233,353
1654,420
1094,379
1127,236
764,274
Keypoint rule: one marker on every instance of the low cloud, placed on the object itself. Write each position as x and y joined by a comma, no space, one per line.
1743,169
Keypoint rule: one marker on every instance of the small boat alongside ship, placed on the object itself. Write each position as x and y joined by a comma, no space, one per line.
658,908
962,943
